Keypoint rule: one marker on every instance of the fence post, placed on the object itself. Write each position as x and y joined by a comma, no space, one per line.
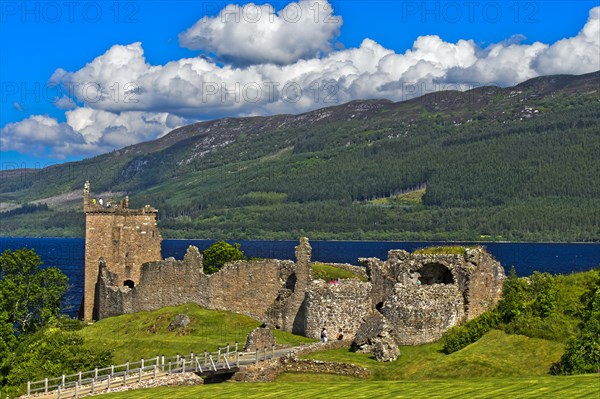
191,356
108,383
219,354
79,378
157,360
236,346
59,392
112,370
63,380
205,357
93,385
265,353
46,385
169,367
140,376
227,349
28,387
95,373
76,389
162,362
155,369
142,365
273,353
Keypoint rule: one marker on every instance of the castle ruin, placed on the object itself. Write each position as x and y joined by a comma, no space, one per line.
118,237
420,295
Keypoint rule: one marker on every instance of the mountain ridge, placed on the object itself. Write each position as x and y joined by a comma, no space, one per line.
486,153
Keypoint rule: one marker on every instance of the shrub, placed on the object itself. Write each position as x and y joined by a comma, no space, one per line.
582,354
459,337
219,253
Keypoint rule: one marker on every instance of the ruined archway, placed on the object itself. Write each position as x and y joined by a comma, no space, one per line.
128,283
435,273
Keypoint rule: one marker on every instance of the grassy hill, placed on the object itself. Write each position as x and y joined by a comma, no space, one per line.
497,354
146,334
492,163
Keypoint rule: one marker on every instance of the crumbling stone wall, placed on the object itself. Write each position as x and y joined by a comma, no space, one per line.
342,305
484,287
258,339
422,314
421,295
248,287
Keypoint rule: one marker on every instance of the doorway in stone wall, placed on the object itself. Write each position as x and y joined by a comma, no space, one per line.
129,283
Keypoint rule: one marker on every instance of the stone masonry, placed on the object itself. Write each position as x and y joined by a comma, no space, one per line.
120,238
419,296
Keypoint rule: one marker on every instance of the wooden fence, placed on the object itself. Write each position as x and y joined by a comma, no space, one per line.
84,383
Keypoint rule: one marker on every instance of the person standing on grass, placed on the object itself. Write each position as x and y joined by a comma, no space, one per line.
324,335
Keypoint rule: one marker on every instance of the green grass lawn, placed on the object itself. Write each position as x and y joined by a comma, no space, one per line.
145,334
496,354
327,272
574,387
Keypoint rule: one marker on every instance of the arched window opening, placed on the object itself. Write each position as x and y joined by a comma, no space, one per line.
435,273
290,283
129,283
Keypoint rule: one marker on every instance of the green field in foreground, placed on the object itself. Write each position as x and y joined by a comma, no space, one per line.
146,334
572,387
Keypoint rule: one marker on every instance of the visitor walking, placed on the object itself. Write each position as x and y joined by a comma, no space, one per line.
324,335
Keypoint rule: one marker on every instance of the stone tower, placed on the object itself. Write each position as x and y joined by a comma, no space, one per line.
121,238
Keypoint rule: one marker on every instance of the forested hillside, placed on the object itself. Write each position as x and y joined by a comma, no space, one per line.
518,163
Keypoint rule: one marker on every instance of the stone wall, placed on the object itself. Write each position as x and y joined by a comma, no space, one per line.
422,314
420,295
268,371
423,295
342,305
248,287
258,339
484,288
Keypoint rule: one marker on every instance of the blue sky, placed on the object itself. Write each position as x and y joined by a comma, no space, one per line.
83,78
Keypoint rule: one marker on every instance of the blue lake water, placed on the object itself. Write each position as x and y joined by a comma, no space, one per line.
556,258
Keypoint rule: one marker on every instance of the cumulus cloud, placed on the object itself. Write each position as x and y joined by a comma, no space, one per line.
257,34
576,55
38,133
86,132
122,80
124,99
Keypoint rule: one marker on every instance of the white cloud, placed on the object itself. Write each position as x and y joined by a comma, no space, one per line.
126,100
38,133
576,55
253,34
122,80
86,132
